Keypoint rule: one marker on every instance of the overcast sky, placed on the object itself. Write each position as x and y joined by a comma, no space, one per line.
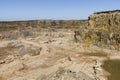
53,9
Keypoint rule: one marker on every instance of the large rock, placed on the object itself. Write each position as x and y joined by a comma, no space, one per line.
65,74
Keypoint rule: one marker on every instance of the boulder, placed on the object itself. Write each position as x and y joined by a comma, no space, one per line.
65,74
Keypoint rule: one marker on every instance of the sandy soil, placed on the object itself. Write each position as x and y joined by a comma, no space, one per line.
49,52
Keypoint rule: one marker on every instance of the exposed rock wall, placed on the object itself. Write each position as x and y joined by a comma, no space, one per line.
14,29
18,25
62,23
109,20
13,35
105,28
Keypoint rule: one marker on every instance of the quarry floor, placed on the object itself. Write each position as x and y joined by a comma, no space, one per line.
45,52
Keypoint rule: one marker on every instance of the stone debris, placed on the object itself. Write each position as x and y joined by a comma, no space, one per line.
97,69
2,61
66,74
9,59
68,58
49,41
36,52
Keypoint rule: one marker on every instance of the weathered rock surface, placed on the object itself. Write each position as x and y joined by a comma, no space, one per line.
106,26
103,30
65,74
20,25
108,20
12,30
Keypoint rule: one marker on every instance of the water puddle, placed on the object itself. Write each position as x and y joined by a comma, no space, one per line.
113,67
97,54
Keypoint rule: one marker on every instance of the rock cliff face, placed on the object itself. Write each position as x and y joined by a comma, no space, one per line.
13,25
103,30
16,25
14,29
62,23
109,20
105,27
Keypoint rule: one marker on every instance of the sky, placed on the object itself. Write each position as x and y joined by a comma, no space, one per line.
11,10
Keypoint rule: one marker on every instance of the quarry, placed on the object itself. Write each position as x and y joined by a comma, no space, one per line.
61,49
